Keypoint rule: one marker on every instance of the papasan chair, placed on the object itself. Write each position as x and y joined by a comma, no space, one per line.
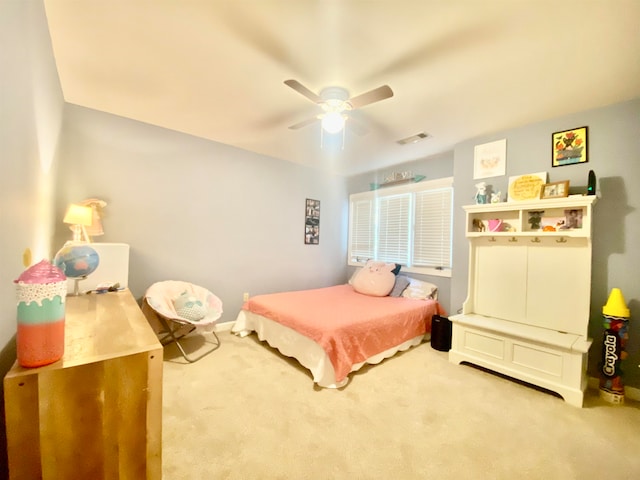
175,309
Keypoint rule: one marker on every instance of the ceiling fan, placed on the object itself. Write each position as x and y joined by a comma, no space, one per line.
336,103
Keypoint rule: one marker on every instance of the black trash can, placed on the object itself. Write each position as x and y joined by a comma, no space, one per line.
441,333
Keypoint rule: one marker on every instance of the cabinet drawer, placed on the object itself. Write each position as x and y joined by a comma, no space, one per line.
537,359
482,343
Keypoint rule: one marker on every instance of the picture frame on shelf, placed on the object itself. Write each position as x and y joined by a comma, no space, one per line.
569,147
572,219
555,190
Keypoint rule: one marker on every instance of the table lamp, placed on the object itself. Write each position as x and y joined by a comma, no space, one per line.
79,217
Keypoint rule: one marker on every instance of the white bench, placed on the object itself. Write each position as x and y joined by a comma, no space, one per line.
543,357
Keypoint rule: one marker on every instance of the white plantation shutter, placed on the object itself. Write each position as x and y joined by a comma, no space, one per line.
432,228
409,224
361,235
393,229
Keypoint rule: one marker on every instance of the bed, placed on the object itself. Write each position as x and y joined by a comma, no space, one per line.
334,331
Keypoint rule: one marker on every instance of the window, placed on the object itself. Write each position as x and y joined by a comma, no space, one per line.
410,225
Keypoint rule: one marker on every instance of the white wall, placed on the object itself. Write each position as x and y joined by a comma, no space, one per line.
194,210
614,156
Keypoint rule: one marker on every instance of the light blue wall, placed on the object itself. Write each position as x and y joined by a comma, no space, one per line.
614,155
434,167
195,210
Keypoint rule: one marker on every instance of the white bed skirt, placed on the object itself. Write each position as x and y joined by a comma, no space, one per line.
310,355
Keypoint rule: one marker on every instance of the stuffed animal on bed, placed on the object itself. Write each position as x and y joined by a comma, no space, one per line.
375,279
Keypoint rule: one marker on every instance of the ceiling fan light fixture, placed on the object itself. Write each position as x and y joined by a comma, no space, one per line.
333,122
336,104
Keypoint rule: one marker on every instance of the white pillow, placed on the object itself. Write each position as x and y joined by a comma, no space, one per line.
375,279
420,290
354,275
189,307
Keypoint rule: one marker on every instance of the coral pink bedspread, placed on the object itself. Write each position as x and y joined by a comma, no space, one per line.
349,326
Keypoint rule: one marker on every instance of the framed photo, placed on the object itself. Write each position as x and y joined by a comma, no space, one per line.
490,159
572,219
555,190
312,222
569,147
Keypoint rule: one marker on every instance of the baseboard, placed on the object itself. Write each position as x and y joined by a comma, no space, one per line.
225,326
631,393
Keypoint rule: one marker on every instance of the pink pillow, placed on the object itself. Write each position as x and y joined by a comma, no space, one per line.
375,279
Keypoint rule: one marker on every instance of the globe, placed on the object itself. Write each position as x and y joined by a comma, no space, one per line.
77,261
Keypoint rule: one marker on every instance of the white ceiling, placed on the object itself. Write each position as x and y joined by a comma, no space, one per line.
459,68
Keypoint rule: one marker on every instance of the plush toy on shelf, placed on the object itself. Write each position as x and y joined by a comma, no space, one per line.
481,194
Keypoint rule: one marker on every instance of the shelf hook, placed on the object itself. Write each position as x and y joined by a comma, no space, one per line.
561,240
513,239
535,240
492,239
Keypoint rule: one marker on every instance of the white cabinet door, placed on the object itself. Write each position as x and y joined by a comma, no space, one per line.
500,283
559,285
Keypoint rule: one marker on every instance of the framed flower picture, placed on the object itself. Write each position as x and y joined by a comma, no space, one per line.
569,147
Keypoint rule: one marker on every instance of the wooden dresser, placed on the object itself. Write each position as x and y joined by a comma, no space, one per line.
527,310
97,413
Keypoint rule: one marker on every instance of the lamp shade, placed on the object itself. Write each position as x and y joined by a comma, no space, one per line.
78,215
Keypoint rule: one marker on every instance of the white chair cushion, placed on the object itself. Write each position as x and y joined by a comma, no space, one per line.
162,296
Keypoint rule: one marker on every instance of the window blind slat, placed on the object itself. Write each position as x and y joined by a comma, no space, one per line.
393,229
412,228
362,242
432,230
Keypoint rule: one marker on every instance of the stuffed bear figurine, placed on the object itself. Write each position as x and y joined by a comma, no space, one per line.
375,279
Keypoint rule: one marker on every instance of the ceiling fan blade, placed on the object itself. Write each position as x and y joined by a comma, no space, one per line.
257,34
449,44
371,96
301,89
304,123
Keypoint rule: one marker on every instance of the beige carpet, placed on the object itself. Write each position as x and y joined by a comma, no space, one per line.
246,412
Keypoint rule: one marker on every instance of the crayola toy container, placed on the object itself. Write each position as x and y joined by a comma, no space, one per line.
41,293
616,334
